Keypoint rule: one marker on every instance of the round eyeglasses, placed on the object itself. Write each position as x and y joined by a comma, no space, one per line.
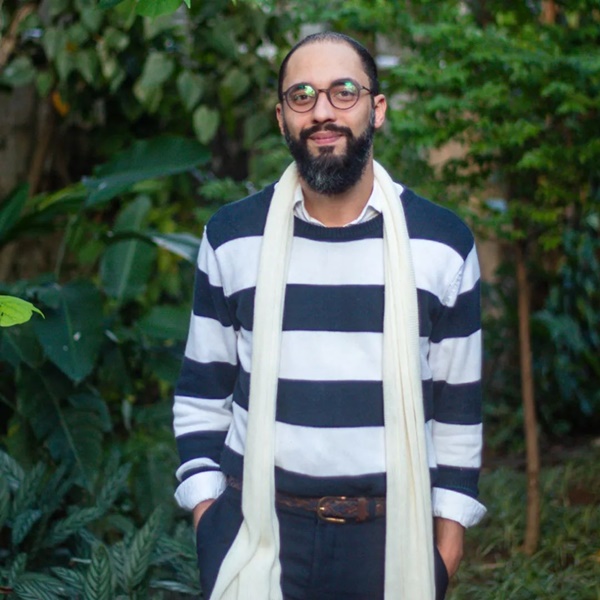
342,94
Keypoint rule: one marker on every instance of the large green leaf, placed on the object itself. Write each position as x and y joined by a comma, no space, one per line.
156,8
149,159
71,577
140,551
38,586
127,265
20,344
70,425
14,311
71,335
98,579
10,210
75,521
48,211
166,322
185,245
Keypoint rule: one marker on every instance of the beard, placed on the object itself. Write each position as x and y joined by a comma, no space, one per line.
326,173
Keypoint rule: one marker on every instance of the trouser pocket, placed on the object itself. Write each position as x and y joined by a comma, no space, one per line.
215,533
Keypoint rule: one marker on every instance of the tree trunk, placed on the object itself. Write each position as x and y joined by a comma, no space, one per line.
549,12
532,530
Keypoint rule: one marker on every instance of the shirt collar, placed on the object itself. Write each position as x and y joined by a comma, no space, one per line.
371,209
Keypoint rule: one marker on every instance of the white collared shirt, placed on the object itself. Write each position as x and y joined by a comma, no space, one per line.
371,209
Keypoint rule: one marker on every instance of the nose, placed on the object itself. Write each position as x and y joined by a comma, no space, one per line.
323,110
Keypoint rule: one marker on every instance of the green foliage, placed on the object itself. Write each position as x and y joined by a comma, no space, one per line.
76,550
72,333
564,338
107,350
156,8
128,92
98,580
568,342
141,68
11,210
139,554
512,103
566,565
127,265
504,89
142,161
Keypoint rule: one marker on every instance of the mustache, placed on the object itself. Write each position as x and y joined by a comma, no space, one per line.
306,133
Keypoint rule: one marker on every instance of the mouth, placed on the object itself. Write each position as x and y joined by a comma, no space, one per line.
325,138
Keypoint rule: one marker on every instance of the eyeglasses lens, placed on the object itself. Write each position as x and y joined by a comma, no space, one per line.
344,94
303,97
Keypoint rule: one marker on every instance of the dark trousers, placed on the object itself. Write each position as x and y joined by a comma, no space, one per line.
319,560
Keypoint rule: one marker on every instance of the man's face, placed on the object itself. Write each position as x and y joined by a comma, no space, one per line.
328,172
332,147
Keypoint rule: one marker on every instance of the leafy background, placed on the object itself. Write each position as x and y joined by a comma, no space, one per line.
143,118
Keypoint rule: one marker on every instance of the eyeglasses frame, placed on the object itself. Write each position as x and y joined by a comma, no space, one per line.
326,91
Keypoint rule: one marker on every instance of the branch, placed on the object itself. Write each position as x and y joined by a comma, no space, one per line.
8,43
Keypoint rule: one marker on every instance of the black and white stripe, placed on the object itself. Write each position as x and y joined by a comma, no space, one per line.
329,430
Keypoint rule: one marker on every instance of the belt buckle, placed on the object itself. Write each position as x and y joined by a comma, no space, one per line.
321,510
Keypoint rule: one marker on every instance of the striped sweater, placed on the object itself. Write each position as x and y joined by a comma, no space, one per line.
329,431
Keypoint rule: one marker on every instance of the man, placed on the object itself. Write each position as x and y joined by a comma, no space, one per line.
354,305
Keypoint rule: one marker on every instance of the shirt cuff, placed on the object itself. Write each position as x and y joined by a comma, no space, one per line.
457,507
200,487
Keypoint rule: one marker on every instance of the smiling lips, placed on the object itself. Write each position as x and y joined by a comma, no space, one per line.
324,138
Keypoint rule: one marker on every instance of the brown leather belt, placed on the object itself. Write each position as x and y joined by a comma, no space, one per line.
332,509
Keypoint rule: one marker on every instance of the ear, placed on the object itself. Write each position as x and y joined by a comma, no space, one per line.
279,115
380,107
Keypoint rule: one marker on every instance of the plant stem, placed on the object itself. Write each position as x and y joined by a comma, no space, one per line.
532,530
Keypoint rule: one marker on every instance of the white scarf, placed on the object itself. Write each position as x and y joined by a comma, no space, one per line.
251,569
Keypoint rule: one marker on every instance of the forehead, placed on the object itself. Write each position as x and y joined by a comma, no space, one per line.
320,63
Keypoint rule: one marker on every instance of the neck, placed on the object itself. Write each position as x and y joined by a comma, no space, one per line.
341,209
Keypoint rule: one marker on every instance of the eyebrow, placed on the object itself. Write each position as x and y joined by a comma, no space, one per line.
338,80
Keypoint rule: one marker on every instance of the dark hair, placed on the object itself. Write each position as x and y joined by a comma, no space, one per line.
367,60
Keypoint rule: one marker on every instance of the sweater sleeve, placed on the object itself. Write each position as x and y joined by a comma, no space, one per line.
203,394
455,361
